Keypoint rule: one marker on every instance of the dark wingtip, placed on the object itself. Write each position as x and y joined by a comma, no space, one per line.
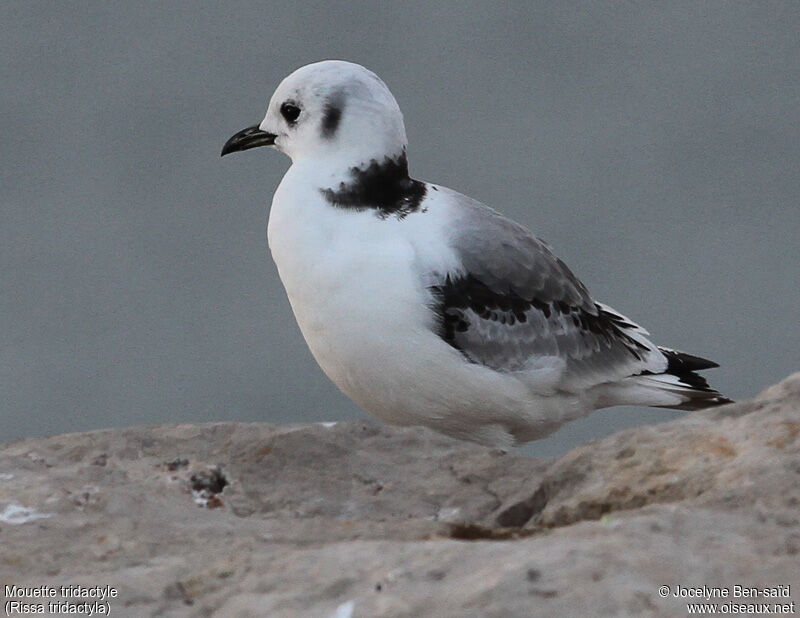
703,403
681,361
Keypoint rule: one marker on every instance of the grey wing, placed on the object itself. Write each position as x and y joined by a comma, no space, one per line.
514,306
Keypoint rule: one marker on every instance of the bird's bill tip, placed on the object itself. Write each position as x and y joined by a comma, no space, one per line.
251,137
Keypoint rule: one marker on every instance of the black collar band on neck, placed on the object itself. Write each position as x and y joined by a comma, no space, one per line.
382,186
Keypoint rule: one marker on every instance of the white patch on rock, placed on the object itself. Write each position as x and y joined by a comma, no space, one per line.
328,425
449,514
200,498
345,610
5,476
16,514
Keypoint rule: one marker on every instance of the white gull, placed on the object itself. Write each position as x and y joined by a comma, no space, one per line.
427,307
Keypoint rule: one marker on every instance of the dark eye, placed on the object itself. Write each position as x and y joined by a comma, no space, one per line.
290,112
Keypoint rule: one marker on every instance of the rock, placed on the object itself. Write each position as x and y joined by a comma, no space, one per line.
358,519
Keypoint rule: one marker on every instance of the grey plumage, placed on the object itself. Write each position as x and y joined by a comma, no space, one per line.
506,255
517,307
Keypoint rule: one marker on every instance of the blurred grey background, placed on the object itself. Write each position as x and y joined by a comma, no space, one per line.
656,146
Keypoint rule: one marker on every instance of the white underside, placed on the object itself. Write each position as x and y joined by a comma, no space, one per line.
357,287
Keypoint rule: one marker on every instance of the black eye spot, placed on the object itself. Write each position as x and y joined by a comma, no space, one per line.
332,114
290,112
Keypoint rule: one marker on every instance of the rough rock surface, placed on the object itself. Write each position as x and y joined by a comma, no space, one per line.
357,519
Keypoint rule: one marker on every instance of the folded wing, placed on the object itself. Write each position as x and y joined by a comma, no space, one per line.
513,306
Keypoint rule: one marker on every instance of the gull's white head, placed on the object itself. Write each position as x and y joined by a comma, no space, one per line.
330,109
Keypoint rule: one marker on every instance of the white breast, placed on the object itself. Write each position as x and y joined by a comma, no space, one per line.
356,283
